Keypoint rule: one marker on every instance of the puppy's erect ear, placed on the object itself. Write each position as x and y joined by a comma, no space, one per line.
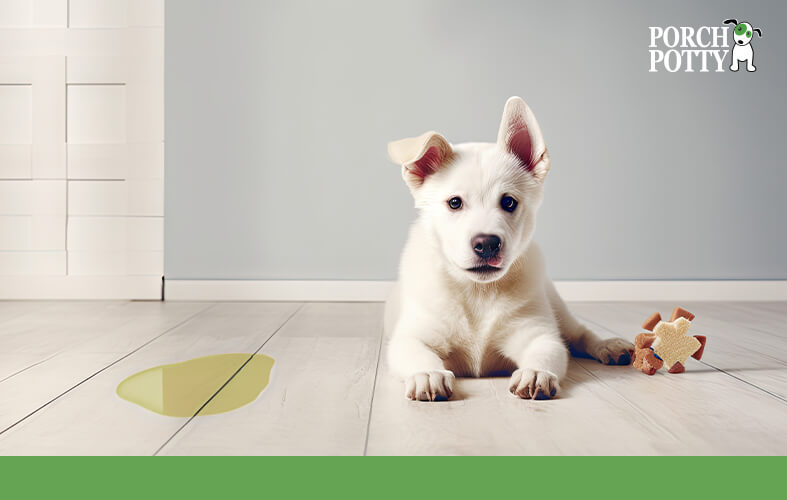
521,136
420,156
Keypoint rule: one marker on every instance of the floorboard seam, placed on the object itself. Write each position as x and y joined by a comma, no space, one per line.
104,368
55,354
374,383
766,391
97,315
29,367
187,422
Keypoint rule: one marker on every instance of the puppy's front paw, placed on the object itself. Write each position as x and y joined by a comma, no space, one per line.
435,385
533,384
613,351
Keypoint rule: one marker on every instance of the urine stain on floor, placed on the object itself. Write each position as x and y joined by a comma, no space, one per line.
181,389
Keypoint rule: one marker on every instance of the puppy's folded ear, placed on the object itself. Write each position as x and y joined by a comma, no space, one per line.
420,156
521,136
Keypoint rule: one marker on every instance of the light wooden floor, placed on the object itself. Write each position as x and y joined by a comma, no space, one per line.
331,393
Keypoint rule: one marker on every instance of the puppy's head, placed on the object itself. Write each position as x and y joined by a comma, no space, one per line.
743,32
478,200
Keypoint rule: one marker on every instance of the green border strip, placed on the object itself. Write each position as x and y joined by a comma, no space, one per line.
390,477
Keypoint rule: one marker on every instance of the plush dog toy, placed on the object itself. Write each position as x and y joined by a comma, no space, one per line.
668,344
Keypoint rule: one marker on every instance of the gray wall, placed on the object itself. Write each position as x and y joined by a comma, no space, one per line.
278,114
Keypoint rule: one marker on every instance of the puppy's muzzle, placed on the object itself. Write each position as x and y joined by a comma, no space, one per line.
486,246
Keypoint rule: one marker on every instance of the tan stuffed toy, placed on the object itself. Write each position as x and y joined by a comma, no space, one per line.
668,344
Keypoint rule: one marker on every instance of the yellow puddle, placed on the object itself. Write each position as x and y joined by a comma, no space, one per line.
180,389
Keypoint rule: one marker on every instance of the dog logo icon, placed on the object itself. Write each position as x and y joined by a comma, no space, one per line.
742,49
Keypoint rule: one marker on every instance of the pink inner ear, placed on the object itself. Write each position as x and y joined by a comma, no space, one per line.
428,163
521,146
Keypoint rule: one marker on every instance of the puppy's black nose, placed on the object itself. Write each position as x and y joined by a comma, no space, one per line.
486,246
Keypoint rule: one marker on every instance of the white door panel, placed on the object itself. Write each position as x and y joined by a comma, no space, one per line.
81,144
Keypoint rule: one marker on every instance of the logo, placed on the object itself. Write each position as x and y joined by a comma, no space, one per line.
704,49
742,50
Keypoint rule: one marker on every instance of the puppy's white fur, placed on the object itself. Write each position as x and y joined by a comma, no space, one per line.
445,320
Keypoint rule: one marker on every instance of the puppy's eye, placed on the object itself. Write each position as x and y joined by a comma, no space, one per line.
748,34
508,204
455,203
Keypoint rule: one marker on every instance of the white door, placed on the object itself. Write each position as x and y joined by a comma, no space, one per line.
81,148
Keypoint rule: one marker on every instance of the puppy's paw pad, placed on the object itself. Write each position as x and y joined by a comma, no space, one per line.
437,385
533,384
614,352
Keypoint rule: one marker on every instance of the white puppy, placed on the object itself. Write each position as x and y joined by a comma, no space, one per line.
473,298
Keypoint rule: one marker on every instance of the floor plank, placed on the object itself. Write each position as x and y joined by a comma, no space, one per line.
724,414
33,331
753,356
10,309
92,419
754,315
778,308
602,410
483,418
328,395
70,348
318,400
